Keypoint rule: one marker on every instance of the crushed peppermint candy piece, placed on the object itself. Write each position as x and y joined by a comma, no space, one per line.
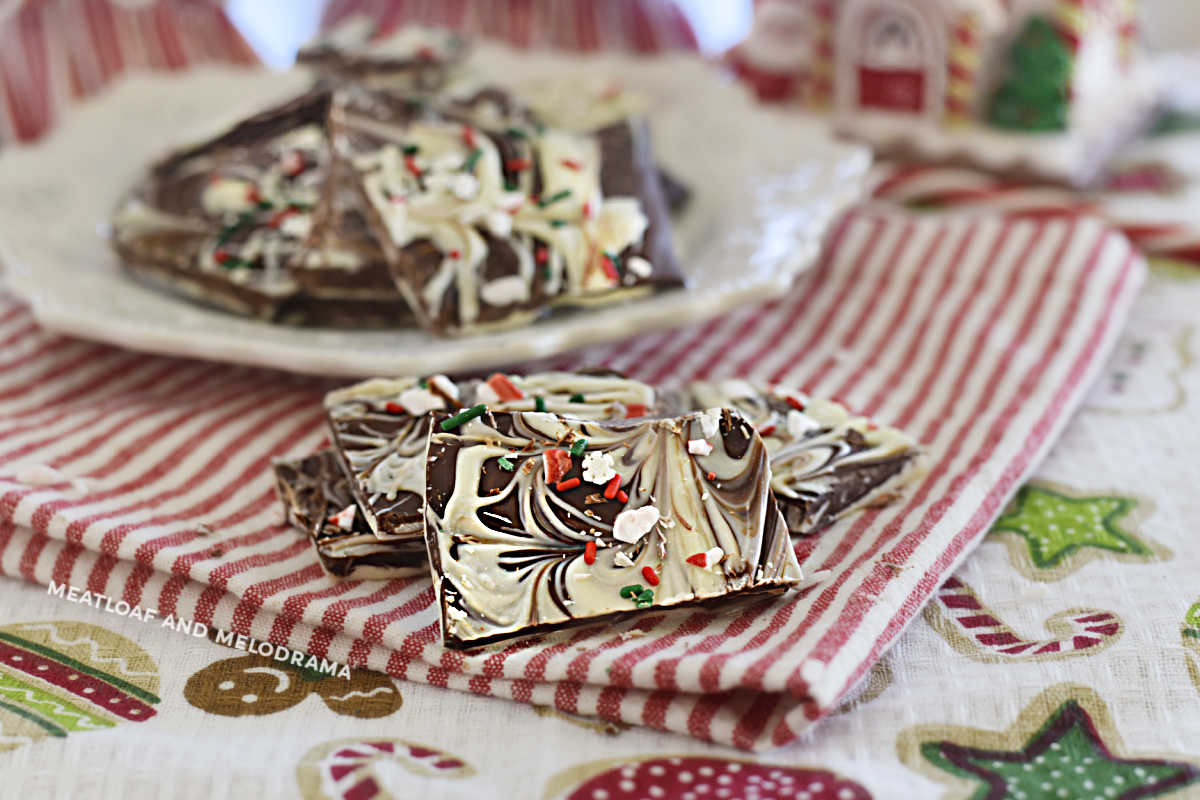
417,401
345,518
486,395
622,560
503,387
639,266
710,422
698,559
699,447
634,523
505,291
598,468
556,462
444,385
800,424
713,556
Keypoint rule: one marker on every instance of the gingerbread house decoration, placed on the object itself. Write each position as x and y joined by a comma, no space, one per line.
963,80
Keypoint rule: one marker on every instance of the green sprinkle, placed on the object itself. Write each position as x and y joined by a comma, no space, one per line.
505,464
539,127
646,597
516,132
577,398
410,149
579,446
463,417
630,591
554,198
557,223
472,160
539,403
510,185
234,263
423,383
264,204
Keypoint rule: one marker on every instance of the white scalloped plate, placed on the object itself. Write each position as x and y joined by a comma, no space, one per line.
766,185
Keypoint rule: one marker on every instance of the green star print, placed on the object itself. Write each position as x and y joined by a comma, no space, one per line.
1065,758
1055,525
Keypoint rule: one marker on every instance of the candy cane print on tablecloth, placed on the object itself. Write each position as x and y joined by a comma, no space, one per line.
349,769
1064,744
973,629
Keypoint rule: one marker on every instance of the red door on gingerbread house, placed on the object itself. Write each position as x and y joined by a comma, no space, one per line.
891,57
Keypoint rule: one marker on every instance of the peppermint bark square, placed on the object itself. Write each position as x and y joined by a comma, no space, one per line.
317,499
380,427
220,221
488,217
825,462
536,522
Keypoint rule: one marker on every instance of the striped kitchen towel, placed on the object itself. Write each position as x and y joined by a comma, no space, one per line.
147,478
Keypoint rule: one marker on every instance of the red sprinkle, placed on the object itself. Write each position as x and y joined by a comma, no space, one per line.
252,195
612,487
468,136
455,254
635,410
504,388
563,486
293,163
518,164
712,476
280,216
426,53
589,553
872,426
610,269
541,255
556,462
587,209
700,560
395,408
410,164
571,163
220,256
794,403
767,431
622,497
650,575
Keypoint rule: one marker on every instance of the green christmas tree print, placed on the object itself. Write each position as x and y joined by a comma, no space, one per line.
1034,95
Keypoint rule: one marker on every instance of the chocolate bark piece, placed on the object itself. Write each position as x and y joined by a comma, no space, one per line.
595,520
316,495
220,220
341,258
380,427
825,462
303,310
675,192
411,59
488,217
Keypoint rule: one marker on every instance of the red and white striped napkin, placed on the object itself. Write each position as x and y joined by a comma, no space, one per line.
978,336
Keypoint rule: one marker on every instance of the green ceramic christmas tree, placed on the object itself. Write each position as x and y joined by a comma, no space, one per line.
1034,95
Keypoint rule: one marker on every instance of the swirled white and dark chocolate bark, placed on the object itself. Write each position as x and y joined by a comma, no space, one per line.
317,499
535,521
489,218
825,461
380,427
409,59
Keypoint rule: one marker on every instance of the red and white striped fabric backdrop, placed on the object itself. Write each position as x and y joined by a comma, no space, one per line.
646,26
56,51
979,336
943,187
